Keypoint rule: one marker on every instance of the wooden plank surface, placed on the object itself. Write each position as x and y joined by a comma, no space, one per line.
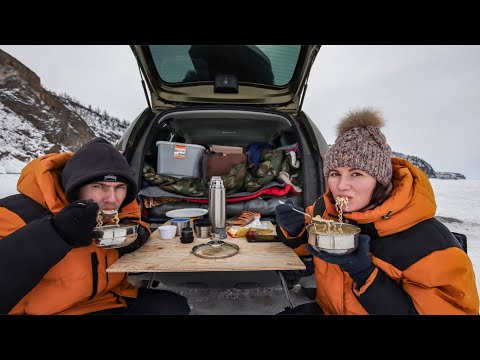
159,255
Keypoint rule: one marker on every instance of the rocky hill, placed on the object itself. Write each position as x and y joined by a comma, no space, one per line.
450,176
420,163
35,121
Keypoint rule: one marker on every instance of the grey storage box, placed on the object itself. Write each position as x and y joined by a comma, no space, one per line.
178,159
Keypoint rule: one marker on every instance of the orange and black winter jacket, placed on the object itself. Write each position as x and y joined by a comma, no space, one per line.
39,272
420,267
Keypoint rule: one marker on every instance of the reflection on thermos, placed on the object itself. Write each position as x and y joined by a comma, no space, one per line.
216,208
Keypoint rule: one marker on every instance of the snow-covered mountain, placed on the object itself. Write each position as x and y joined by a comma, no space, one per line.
35,121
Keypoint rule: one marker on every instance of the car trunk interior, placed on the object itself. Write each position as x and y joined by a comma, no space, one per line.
222,127
204,127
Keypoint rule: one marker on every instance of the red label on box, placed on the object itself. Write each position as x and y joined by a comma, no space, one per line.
180,152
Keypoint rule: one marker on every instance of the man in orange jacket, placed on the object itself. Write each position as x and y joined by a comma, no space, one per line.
49,263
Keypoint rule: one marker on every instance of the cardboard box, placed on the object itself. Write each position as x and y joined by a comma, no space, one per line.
226,149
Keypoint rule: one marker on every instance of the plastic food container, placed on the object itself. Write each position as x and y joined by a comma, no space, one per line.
179,160
167,232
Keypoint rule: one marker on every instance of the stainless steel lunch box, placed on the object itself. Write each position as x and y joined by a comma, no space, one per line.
114,237
335,244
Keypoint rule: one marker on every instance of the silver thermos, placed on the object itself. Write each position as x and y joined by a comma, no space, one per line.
216,208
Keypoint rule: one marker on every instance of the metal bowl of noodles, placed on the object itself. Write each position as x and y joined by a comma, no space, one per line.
114,237
335,238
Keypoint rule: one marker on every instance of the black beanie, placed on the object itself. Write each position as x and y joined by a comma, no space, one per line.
97,160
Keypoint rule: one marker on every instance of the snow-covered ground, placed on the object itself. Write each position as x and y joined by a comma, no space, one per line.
457,207
8,184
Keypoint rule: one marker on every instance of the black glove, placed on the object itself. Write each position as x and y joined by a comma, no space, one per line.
76,221
358,263
292,221
143,236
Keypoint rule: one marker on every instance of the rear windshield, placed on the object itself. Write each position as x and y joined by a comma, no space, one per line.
258,64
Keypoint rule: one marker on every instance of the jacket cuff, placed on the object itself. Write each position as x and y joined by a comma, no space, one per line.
288,236
364,287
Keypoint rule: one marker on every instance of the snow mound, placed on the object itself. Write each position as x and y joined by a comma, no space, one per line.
11,166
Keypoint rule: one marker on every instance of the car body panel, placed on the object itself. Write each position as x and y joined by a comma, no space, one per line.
253,87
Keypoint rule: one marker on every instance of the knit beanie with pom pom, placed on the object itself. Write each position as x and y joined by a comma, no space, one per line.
360,144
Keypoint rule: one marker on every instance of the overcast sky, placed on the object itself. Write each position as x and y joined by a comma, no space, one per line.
429,95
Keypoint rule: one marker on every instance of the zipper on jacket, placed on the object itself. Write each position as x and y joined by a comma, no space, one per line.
106,266
385,217
94,275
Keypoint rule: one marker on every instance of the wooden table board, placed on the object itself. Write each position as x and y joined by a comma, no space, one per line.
158,255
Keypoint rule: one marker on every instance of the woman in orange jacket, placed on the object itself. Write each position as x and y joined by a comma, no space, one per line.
48,261
406,262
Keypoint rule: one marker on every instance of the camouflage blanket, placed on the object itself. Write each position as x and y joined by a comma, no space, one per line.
195,186
239,179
